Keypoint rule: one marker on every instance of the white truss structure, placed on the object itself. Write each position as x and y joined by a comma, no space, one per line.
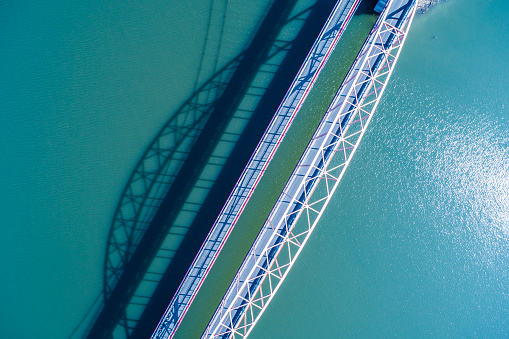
315,178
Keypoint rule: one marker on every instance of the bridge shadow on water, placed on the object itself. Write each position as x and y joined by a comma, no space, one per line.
367,7
186,174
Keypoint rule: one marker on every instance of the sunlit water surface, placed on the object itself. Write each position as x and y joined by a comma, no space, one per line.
414,243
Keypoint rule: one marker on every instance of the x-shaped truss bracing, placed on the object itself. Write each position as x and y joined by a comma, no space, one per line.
314,180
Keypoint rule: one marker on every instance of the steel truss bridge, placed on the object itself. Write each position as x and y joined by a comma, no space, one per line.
316,177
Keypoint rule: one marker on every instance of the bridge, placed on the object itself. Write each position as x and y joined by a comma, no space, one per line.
159,189
316,177
311,185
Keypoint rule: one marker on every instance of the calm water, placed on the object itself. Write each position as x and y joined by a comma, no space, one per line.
415,242
84,89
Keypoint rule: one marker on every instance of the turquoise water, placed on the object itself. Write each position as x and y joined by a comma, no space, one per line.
84,89
415,242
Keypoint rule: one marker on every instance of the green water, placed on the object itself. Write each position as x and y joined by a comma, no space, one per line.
414,243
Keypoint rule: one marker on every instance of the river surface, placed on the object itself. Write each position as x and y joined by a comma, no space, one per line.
414,243
84,89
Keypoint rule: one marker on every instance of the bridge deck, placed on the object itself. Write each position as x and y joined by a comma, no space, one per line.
293,100
315,178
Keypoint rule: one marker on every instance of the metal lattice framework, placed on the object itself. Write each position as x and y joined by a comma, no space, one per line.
315,178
